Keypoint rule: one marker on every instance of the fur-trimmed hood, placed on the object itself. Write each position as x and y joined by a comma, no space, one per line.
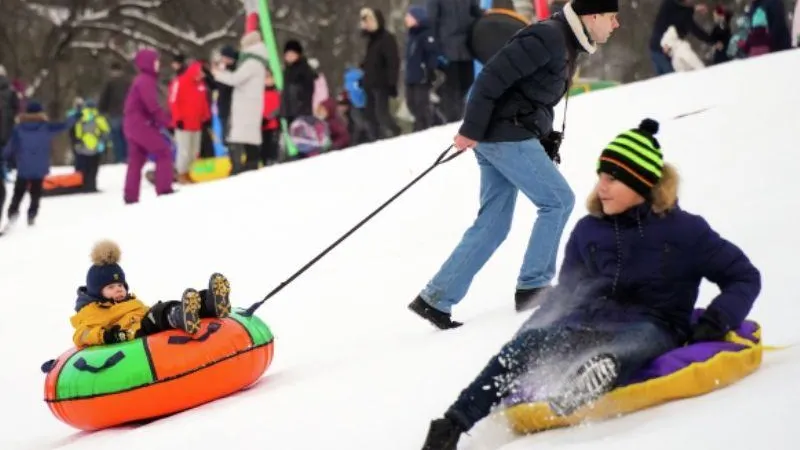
32,117
665,194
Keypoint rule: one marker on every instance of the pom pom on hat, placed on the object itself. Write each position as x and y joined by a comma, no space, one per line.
105,252
649,126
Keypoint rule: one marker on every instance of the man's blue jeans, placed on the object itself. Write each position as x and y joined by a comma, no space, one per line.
506,168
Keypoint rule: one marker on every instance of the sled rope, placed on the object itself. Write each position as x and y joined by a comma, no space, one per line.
445,157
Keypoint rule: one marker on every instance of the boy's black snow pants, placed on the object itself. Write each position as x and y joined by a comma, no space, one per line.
156,319
34,188
563,348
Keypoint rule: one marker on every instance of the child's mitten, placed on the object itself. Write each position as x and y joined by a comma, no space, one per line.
115,335
710,327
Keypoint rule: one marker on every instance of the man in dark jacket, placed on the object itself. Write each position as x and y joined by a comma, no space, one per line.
381,66
298,83
509,123
422,52
680,14
111,103
451,21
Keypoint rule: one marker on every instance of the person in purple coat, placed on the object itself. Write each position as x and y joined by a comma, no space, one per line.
144,123
626,292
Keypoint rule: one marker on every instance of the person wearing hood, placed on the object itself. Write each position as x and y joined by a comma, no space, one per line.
247,107
29,145
422,53
145,124
337,128
381,66
191,113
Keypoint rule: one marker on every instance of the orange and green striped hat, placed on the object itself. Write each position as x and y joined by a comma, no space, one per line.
634,157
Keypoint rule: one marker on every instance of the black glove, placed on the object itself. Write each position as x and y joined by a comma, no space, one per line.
115,335
392,90
551,144
710,327
179,124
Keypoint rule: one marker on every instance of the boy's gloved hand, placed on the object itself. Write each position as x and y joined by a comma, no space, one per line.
710,327
115,335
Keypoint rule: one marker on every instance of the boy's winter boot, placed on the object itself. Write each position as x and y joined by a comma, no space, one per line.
216,299
526,299
439,319
593,379
186,315
443,434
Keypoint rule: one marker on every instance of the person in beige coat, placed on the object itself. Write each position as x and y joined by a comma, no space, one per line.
248,101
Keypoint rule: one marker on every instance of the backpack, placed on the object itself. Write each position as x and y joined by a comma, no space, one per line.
310,135
92,133
352,84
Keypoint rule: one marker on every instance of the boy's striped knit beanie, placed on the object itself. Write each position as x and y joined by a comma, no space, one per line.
634,157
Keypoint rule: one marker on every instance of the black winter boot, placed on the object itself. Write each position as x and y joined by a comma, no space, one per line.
525,299
593,379
439,319
186,314
216,299
443,434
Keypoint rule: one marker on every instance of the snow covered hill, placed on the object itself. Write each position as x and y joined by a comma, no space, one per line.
353,368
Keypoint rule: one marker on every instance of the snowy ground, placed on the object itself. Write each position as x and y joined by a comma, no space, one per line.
353,368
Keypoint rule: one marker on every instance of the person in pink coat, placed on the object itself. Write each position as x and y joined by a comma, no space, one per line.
145,123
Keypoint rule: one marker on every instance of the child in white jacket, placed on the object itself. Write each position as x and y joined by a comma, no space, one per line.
683,57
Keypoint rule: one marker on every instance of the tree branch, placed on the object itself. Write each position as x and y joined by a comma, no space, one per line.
188,36
131,34
103,46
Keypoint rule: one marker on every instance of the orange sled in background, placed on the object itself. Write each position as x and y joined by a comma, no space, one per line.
154,376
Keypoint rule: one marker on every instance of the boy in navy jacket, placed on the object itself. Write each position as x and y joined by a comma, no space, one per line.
29,145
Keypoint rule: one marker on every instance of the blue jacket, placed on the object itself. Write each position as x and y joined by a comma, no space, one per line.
421,49
352,84
513,96
643,266
31,142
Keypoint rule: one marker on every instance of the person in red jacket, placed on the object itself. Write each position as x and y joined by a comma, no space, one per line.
327,111
188,103
270,123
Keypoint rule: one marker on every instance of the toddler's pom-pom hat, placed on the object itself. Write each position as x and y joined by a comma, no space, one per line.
105,268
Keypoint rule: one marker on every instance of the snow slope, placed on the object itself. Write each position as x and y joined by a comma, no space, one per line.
354,369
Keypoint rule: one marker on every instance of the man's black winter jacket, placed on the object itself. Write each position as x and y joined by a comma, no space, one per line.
513,97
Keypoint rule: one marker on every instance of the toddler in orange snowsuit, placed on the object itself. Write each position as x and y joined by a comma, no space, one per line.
107,313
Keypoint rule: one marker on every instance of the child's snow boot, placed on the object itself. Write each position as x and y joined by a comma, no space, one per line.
216,299
593,379
186,314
